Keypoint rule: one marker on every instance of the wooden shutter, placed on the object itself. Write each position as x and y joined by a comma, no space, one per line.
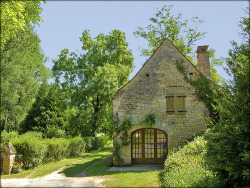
169,103
181,106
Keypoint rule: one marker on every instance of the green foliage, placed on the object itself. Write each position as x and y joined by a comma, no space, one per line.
124,127
205,90
93,143
37,150
57,149
22,69
149,120
92,78
228,139
21,60
117,157
76,146
15,15
31,146
48,113
182,33
165,25
185,167
5,136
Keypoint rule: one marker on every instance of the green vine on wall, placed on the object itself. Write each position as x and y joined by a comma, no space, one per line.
116,154
149,120
124,127
204,89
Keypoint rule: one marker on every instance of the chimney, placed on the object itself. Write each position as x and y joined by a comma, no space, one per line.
203,61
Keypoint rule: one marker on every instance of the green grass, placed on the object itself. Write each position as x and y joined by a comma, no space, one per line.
95,163
74,169
123,179
48,168
99,165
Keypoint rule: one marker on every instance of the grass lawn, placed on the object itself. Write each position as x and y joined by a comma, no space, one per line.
95,163
123,179
48,168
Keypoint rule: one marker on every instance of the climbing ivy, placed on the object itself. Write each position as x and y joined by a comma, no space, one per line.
124,127
149,120
204,88
116,154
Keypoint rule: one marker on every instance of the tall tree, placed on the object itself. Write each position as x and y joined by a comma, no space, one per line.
91,79
183,34
22,67
48,114
15,15
228,140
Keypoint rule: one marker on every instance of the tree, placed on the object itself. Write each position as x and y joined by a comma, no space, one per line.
91,79
21,69
228,140
183,34
15,15
48,113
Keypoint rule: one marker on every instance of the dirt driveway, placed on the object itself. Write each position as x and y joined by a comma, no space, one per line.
55,179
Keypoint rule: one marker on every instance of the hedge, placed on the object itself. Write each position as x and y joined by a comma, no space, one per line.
36,150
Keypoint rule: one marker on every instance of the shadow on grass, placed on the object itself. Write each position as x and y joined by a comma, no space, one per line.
74,170
95,165
87,162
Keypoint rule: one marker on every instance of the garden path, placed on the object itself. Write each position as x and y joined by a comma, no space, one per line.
55,179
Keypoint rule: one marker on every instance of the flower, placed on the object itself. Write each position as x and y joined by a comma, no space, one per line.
17,165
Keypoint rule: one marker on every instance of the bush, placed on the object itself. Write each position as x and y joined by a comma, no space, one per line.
31,147
36,150
76,146
57,149
185,167
55,132
93,143
5,136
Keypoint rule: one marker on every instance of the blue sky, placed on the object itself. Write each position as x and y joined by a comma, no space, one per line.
64,22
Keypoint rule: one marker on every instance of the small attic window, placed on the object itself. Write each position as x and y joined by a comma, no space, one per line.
190,74
147,75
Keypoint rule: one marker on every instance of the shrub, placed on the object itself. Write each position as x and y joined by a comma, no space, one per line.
93,143
31,147
76,146
57,149
185,167
36,150
55,132
7,136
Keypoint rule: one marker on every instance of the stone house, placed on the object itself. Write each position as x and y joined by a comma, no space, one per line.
159,88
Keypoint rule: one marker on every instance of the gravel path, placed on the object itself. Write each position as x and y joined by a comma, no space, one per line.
55,179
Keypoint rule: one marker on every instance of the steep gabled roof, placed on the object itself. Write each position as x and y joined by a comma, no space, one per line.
155,52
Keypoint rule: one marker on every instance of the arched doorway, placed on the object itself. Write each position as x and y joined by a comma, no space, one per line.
149,146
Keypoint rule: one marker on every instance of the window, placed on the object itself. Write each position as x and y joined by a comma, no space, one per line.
191,75
175,104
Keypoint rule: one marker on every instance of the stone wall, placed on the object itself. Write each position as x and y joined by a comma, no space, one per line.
7,153
146,93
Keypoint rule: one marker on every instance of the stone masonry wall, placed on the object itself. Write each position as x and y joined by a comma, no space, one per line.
145,94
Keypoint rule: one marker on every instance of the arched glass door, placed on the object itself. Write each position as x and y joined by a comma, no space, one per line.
148,146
